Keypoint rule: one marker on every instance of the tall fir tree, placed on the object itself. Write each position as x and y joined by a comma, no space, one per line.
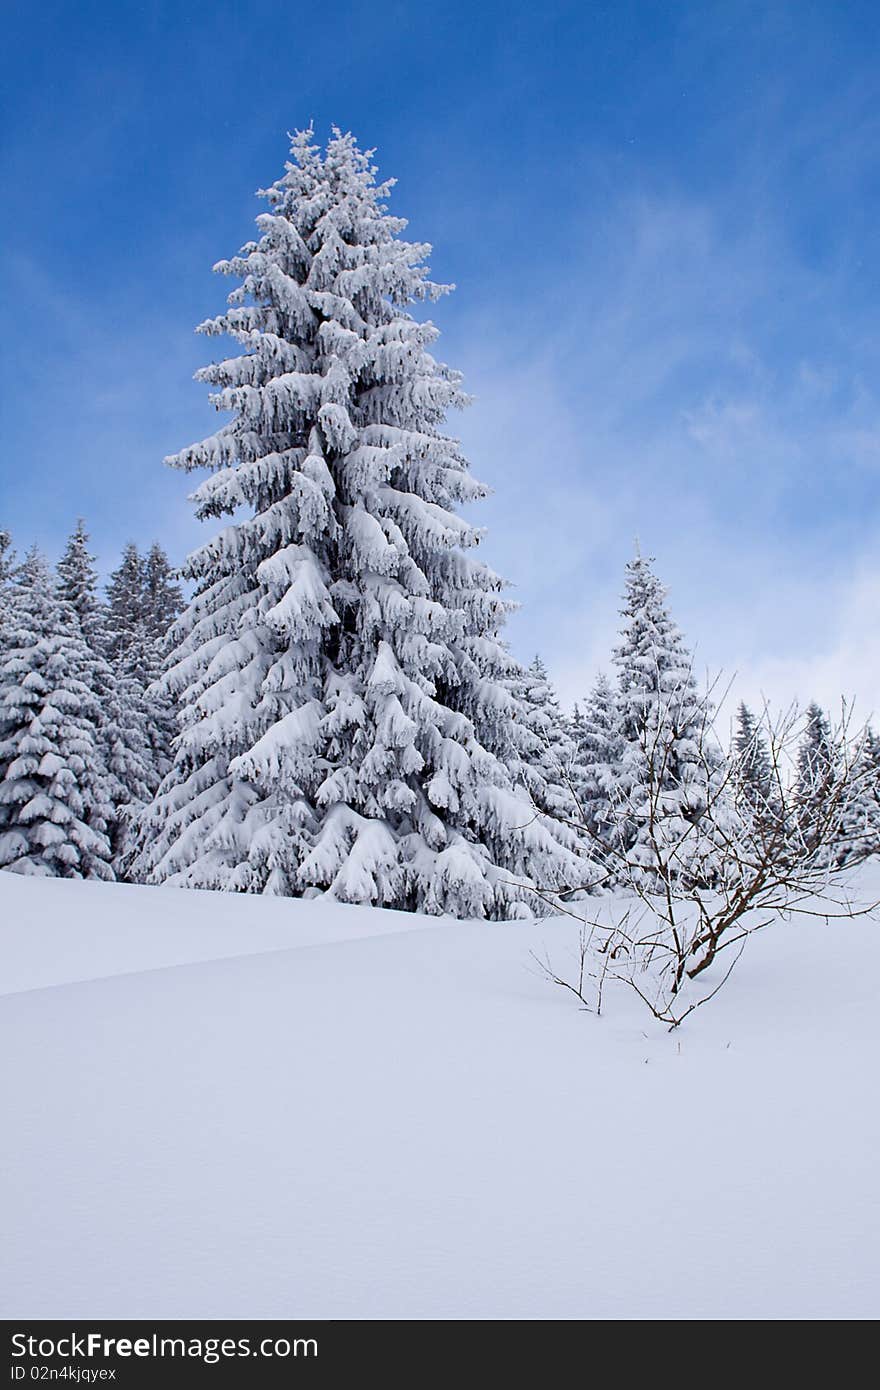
663,725
78,585
143,602
77,588
860,823
346,727
817,773
126,729
53,815
547,752
127,637
7,565
599,748
163,600
815,753
754,767
6,556
163,605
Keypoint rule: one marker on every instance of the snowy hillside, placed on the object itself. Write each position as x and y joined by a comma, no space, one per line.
223,1106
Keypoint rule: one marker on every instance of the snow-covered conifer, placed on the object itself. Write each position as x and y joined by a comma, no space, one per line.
546,757
753,766
53,818
163,600
118,723
598,759
127,744
129,726
162,605
664,727
860,827
78,586
815,752
143,601
7,565
6,556
126,611
815,771
346,726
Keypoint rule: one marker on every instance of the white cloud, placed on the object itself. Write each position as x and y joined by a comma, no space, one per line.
843,663
693,395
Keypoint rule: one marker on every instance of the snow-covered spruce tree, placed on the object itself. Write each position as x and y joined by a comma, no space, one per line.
127,747
7,565
544,763
548,757
163,604
820,754
143,602
6,556
122,752
860,821
751,754
52,814
126,619
815,751
125,716
163,600
598,757
345,722
815,759
78,585
664,726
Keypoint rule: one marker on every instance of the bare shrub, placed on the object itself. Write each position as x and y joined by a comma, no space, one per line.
707,857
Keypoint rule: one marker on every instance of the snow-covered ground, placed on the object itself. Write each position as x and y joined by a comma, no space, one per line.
226,1107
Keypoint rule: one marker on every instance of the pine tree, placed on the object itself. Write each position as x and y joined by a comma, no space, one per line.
6,556
52,816
860,828
144,601
126,613
815,772
598,760
163,600
346,726
127,726
546,763
162,606
824,763
143,604
78,586
815,753
753,764
663,728
127,747
7,566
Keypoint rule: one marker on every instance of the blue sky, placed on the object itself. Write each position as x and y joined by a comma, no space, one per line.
661,219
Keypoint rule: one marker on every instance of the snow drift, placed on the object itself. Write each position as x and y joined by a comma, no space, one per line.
223,1106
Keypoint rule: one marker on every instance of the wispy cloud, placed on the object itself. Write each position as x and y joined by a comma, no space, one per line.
692,395
664,234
